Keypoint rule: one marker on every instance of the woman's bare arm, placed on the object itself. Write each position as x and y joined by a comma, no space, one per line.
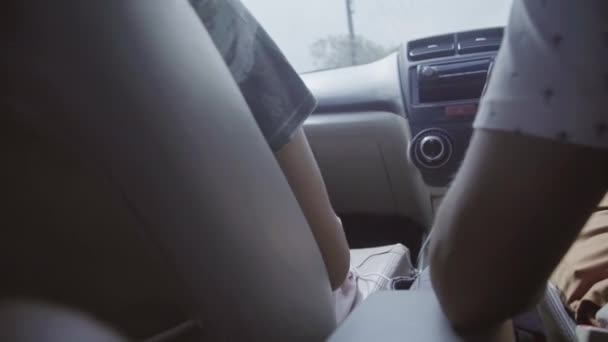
304,177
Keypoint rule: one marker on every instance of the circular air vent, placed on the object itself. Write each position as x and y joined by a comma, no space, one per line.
431,149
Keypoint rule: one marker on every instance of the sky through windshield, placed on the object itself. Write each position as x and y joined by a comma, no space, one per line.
313,33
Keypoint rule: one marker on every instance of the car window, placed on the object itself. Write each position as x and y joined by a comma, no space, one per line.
315,34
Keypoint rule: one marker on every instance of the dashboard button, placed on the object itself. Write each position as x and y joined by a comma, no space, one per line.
428,71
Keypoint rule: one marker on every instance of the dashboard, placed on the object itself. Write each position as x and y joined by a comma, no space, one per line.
443,78
432,85
440,80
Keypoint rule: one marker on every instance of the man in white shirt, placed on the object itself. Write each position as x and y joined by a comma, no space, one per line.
536,168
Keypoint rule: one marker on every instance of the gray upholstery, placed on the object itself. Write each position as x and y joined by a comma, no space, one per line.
374,266
137,186
22,321
559,326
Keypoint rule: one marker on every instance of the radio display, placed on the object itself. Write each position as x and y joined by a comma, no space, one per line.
464,80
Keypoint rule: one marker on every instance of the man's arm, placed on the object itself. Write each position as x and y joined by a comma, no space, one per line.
514,209
304,177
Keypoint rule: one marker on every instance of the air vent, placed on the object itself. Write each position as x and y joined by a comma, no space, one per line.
479,41
433,47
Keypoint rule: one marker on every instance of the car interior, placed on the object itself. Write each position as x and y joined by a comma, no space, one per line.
158,227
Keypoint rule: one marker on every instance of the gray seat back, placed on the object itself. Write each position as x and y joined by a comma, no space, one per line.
23,321
136,184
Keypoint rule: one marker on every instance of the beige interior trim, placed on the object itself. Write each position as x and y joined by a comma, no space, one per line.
363,158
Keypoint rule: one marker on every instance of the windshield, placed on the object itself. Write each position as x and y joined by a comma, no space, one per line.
315,34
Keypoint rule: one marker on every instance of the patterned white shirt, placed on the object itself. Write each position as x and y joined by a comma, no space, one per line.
550,79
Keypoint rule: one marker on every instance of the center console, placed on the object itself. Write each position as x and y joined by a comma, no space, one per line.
442,79
395,316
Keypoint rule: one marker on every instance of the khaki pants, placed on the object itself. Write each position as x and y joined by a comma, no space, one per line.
582,276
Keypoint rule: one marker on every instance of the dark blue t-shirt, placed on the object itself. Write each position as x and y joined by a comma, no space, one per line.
275,93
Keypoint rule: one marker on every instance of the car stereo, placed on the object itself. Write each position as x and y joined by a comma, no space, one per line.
443,79
451,81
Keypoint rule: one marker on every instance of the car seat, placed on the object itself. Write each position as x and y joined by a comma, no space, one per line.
137,186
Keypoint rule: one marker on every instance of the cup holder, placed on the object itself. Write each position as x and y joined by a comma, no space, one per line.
402,283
